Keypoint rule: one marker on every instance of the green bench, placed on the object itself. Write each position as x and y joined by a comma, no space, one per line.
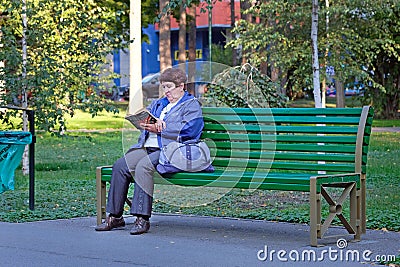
287,149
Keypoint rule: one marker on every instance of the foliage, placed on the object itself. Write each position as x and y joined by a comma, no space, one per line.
150,9
359,39
278,41
394,263
221,55
245,86
67,67
68,42
379,53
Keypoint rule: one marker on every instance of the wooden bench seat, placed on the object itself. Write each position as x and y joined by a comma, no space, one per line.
286,149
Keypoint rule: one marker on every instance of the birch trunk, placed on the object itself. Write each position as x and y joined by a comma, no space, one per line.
315,61
25,156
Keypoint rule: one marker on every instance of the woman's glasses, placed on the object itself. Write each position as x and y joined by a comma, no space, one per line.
167,86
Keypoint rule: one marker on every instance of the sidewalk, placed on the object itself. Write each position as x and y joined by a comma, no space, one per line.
176,240
386,129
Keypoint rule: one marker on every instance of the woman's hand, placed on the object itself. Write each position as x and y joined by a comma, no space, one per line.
154,127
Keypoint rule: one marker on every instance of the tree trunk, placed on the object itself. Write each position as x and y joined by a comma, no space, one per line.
25,156
324,84
323,92
182,33
164,40
315,61
192,50
234,52
244,5
339,94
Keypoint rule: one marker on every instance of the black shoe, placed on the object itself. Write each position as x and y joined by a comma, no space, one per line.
111,223
140,226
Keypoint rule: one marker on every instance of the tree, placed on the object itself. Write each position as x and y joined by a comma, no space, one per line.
315,61
120,23
363,42
178,9
245,16
68,42
182,33
192,48
164,36
377,35
279,42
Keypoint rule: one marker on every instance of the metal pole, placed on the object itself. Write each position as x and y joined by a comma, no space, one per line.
135,57
31,118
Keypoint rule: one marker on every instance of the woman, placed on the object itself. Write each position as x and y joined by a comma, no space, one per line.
179,118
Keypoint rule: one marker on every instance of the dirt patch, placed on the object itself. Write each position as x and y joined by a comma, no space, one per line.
271,199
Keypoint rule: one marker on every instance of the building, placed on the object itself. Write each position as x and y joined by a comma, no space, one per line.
221,22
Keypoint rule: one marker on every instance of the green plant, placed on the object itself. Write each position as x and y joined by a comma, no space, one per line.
245,86
221,54
394,263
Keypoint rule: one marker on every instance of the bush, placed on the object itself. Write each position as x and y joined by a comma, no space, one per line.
245,86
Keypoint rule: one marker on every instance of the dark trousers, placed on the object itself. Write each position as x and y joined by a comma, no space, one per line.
138,166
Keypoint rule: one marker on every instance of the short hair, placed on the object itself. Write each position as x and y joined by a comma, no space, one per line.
175,75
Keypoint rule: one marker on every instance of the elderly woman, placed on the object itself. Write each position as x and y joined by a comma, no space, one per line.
179,118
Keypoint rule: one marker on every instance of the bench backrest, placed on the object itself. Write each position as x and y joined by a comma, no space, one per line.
311,140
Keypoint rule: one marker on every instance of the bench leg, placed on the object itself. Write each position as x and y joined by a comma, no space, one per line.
355,212
353,226
363,197
315,212
100,197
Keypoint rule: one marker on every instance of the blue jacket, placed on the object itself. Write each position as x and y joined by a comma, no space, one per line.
184,122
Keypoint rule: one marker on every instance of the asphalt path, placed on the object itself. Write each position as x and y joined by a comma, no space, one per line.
177,240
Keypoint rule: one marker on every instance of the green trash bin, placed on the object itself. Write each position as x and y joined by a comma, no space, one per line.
12,145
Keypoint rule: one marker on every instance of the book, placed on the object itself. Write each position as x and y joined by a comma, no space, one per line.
143,115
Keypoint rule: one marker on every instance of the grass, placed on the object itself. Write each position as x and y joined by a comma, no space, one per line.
386,123
65,185
65,181
350,102
102,121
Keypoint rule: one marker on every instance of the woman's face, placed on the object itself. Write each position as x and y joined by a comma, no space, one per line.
172,92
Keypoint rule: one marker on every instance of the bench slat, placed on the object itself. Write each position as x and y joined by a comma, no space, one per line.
278,120
280,129
246,176
285,156
283,111
242,185
303,166
284,147
282,138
